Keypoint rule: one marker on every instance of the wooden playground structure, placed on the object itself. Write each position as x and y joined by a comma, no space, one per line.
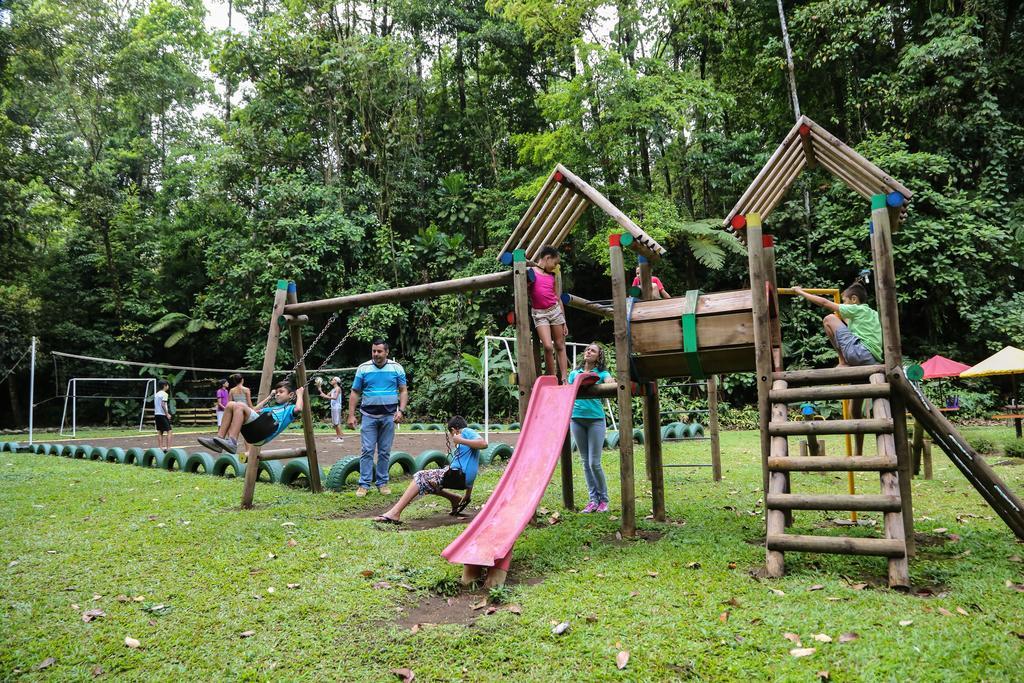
702,335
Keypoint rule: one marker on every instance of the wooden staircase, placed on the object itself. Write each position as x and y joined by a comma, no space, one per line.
816,385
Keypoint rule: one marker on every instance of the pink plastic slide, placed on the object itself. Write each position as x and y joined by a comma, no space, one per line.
488,539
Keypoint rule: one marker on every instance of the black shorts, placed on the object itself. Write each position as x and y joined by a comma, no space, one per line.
163,424
257,431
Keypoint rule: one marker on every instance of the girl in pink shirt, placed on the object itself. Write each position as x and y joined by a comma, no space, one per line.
548,312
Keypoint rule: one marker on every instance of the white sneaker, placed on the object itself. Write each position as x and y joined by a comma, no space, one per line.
338,440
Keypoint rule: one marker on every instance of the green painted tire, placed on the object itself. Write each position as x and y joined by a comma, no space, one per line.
273,469
153,457
340,472
133,456
66,451
3,446
10,447
611,439
638,436
501,451
434,427
98,453
82,452
199,459
404,460
514,427
228,461
44,449
175,459
416,427
115,455
36,448
499,427
295,470
476,426
427,458
693,430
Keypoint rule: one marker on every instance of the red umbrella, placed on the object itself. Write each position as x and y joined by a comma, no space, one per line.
940,366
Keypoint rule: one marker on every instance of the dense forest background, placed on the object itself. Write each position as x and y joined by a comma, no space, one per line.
154,171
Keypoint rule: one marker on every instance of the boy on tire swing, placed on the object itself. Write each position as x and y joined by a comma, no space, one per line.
259,425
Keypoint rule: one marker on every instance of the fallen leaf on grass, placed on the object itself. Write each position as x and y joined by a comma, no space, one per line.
515,609
323,556
1018,634
123,598
822,638
1019,587
247,634
1016,558
906,622
270,589
693,565
415,628
633,594
92,614
366,573
792,637
731,565
288,524
858,586
591,618
803,651
944,612
292,586
849,637
97,671
271,556
652,574
816,587
382,585
940,530
732,601
560,628
96,597
776,591
75,607
48,662
823,675
138,598
292,543
132,643
724,616
406,675
480,605
159,610
491,610
622,659
961,610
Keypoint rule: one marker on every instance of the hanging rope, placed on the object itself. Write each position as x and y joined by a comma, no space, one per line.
15,366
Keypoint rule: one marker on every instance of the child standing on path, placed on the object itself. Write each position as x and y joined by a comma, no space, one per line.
162,415
465,462
335,398
588,428
258,425
548,312
222,399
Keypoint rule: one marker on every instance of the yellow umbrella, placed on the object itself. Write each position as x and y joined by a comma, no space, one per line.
1009,361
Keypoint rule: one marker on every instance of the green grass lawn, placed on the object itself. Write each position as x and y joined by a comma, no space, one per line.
79,535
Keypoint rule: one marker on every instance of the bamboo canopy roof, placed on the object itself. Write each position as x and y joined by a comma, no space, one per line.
1009,361
807,145
558,206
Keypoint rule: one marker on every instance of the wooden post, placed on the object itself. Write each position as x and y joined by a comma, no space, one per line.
716,450
917,449
775,326
568,499
775,519
646,285
885,293
295,332
622,376
652,446
762,336
252,465
647,294
526,370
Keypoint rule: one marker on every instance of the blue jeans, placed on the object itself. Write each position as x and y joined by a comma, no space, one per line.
589,438
375,433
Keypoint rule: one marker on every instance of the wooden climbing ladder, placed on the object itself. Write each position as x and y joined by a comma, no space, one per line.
818,385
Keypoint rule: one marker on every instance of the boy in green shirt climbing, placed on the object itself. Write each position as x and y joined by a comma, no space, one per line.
858,340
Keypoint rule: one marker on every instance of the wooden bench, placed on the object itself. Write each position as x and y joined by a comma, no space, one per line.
1016,417
192,417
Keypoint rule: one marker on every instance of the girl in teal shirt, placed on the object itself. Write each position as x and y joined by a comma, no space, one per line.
588,429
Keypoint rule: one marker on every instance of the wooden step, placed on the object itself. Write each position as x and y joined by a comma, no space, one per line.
283,453
829,393
797,501
868,426
829,375
841,545
832,464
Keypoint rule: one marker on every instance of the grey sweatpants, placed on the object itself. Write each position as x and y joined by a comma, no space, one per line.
589,438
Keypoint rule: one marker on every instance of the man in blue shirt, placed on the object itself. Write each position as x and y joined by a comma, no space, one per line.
381,385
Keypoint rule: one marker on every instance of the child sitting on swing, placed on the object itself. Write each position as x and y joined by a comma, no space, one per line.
459,475
258,425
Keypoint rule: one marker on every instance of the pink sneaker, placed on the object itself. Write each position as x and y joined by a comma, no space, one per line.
590,508
603,507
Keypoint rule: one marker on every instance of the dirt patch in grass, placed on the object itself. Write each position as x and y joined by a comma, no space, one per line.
463,608
434,521
642,536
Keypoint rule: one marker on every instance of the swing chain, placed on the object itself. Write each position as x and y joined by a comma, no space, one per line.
294,330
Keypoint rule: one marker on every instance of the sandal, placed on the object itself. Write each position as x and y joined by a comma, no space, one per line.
462,506
387,520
